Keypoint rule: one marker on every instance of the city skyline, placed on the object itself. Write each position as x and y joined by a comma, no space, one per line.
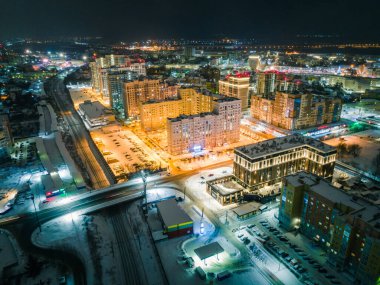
118,20
171,142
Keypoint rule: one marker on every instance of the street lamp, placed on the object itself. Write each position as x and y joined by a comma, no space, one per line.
35,211
144,201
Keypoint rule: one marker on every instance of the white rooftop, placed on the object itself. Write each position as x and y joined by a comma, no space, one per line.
94,109
281,144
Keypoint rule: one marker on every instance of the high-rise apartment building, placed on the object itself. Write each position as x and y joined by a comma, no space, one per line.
6,138
193,133
153,113
115,85
348,227
197,119
116,60
113,63
268,82
254,62
236,86
189,51
296,111
266,162
142,91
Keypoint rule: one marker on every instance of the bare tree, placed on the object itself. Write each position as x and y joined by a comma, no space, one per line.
354,149
341,148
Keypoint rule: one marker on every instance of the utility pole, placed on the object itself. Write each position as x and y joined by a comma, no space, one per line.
202,225
144,178
35,211
184,193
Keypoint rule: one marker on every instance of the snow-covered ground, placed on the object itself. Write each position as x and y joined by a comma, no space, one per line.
145,246
197,186
124,151
172,250
89,237
14,265
92,239
370,146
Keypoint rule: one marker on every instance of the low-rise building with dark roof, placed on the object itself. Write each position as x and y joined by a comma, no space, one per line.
176,222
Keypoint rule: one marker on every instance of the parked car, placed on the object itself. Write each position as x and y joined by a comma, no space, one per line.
223,275
282,238
190,262
284,254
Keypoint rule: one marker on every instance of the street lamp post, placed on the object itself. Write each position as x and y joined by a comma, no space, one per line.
35,211
144,201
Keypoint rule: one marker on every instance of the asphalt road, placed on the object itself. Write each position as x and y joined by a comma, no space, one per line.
100,174
22,226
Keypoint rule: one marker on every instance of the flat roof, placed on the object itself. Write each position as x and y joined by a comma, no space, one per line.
246,208
361,208
94,109
171,213
228,187
190,117
208,250
281,144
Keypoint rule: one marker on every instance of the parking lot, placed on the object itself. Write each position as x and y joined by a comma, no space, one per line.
79,95
24,153
125,152
300,256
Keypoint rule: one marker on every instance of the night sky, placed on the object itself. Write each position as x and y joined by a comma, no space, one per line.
143,19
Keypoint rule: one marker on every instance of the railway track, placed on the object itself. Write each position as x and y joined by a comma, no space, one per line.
133,274
96,171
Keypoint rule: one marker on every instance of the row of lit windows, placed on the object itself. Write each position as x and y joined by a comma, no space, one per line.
282,159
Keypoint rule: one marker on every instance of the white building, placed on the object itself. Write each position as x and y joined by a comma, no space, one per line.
95,114
194,133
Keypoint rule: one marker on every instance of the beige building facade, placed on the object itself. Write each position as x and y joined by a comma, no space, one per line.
193,133
142,91
236,86
296,111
